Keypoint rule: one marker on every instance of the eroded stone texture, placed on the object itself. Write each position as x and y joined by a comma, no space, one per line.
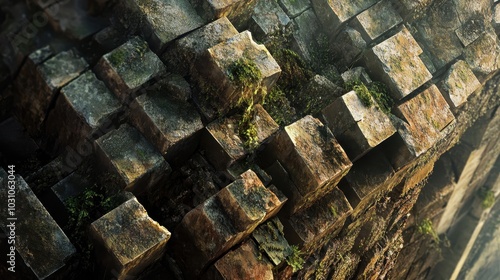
357,127
377,20
171,125
483,55
268,18
128,240
396,61
40,242
162,20
333,14
305,35
222,221
46,76
237,11
220,92
84,106
128,67
126,153
270,239
348,45
312,156
470,31
459,84
295,7
182,54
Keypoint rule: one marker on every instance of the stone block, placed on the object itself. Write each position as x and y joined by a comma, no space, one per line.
270,239
237,11
83,107
181,55
357,127
483,55
348,45
458,84
306,30
282,181
334,14
295,7
317,92
356,73
162,21
470,31
46,76
128,224
268,18
126,153
71,186
221,89
40,242
377,20
128,68
312,156
222,140
396,62
171,125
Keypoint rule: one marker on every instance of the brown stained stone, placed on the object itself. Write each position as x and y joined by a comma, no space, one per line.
244,262
128,67
459,84
171,125
219,92
40,242
237,11
46,76
126,153
333,14
357,127
396,61
182,54
377,20
115,232
311,155
270,239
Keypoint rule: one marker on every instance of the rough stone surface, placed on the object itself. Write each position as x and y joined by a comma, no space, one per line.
126,153
128,224
483,55
268,18
377,20
270,239
458,84
333,14
237,11
295,7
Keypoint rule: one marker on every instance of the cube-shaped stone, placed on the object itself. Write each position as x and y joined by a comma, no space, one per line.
39,241
128,67
396,62
306,31
357,127
483,55
182,54
221,68
237,11
171,125
377,20
128,240
295,7
126,153
271,240
458,84
223,143
348,45
470,31
267,19
312,156
162,21
333,14
46,76
83,107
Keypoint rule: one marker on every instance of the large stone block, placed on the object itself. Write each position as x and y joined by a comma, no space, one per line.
377,20
458,84
470,31
295,7
128,67
483,55
39,241
126,153
396,62
333,14
162,21
171,125
312,156
128,240
237,11
182,54
46,75
306,31
357,127
268,18
84,107
220,70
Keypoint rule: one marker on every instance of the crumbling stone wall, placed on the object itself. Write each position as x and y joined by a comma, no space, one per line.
283,139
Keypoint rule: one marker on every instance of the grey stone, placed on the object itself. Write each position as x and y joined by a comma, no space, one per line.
71,186
40,242
470,31
126,153
348,45
295,7
128,67
268,18
305,35
483,55
237,11
333,14
356,73
377,20
458,84
128,224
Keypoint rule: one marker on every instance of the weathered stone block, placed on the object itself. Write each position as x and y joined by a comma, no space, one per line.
237,11
458,84
318,91
356,73
312,156
377,20
128,67
182,54
84,107
348,45
271,240
358,127
396,62
220,85
171,125
268,18
305,36
128,224
333,14
71,186
126,153
295,7
483,55
470,31
40,242
162,20
46,76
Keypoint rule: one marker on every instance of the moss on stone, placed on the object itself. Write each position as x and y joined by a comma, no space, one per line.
375,90
295,259
245,73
